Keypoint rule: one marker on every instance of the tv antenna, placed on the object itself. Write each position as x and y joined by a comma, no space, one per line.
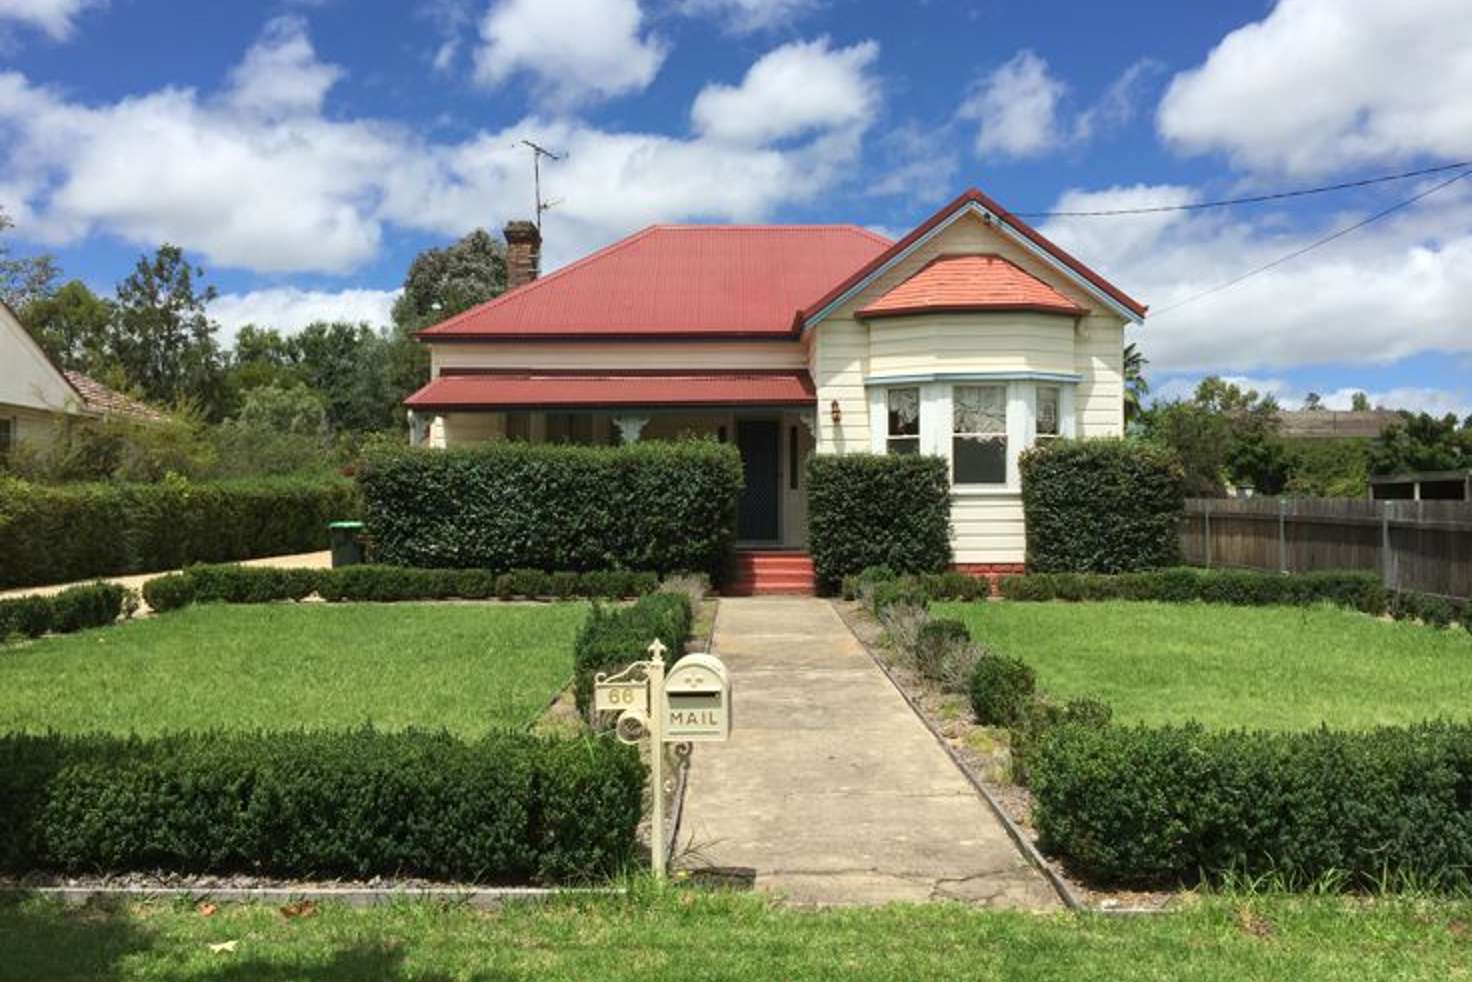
538,152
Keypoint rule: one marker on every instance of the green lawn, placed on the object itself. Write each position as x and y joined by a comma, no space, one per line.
467,667
1267,667
689,937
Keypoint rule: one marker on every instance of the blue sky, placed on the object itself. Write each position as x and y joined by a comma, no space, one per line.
305,151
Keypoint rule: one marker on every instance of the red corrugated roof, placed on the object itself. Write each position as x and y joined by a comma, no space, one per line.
678,281
971,282
973,196
532,389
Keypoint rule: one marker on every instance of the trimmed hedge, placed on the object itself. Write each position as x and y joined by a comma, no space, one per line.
73,609
1101,506
506,505
70,532
877,510
508,808
1387,808
383,584
1002,689
612,637
1354,590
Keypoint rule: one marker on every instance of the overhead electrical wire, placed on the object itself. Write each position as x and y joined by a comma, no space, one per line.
1248,200
1325,240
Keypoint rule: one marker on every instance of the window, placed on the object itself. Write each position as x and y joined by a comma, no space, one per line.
904,421
518,426
1049,420
570,428
7,437
979,434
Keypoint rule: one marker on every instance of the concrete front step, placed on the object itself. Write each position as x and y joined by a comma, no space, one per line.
771,572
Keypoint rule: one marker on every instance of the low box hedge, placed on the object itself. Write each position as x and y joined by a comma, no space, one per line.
662,506
73,609
508,808
613,637
1101,506
232,583
1351,589
869,510
52,534
1387,808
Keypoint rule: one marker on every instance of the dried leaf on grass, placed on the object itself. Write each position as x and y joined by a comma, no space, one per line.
299,908
207,909
223,947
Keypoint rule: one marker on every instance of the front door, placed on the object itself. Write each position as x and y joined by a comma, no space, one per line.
756,518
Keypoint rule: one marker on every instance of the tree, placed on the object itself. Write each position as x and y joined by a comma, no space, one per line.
1359,403
444,282
1313,402
1224,433
73,325
162,337
1135,385
26,278
349,366
1422,443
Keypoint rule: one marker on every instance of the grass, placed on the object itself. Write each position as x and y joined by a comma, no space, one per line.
466,667
1259,667
684,936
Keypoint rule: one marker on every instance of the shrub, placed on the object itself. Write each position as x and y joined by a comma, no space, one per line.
1355,590
504,505
613,637
905,590
530,583
954,585
1372,808
563,585
166,593
504,808
1105,506
235,584
1041,716
695,586
54,534
73,609
1002,688
1427,608
936,645
1033,588
868,510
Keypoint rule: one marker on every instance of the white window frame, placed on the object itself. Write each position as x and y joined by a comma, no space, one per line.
936,414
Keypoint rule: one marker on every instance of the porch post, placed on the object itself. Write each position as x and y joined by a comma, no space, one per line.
629,427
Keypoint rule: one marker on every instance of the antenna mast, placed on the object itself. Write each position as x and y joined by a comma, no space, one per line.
538,152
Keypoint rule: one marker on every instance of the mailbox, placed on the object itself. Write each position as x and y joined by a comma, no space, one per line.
697,700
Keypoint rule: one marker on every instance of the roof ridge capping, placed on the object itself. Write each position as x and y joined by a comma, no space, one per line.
974,200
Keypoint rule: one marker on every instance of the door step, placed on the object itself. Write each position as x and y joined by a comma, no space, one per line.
767,572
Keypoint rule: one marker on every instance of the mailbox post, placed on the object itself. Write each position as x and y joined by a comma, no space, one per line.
691,703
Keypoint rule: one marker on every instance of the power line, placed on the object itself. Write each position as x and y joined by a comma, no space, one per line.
1338,233
1251,199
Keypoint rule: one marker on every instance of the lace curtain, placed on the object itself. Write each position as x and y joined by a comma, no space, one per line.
980,409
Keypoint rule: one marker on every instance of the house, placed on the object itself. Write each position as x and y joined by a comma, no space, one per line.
36,396
972,337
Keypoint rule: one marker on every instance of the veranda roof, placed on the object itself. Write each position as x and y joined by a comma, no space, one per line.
535,389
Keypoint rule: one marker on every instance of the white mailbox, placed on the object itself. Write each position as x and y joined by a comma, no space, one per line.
697,700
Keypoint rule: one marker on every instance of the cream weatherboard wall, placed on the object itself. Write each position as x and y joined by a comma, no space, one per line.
850,358
34,397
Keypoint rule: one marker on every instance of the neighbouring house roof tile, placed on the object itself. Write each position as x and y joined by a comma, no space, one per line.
615,388
969,283
677,281
98,398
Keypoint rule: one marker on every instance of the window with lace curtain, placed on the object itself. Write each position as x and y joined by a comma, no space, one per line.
979,434
1049,421
904,420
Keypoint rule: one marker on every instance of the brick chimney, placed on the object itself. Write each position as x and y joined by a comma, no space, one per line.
523,253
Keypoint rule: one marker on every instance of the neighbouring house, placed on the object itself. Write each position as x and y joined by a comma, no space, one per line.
972,337
1335,424
36,396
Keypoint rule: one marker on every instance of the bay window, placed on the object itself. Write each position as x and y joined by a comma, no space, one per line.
980,423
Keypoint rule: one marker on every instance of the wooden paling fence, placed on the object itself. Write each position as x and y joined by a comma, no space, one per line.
1424,546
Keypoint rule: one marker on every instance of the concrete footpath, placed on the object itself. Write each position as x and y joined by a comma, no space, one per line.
304,560
830,788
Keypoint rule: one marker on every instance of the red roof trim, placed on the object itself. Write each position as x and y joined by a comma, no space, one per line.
972,196
785,336
971,308
540,389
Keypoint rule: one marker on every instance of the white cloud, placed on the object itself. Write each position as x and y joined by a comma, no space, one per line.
1117,105
1320,85
791,91
1394,289
1017,106
576,51
1290,395
746,16
54,18
289,309
285,188
280,74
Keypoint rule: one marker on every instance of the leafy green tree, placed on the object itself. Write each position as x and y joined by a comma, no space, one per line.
444,282
1359,403
1313,402
73,325
1135,385
1224,433
24,278
349,366
1423,442
162,337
